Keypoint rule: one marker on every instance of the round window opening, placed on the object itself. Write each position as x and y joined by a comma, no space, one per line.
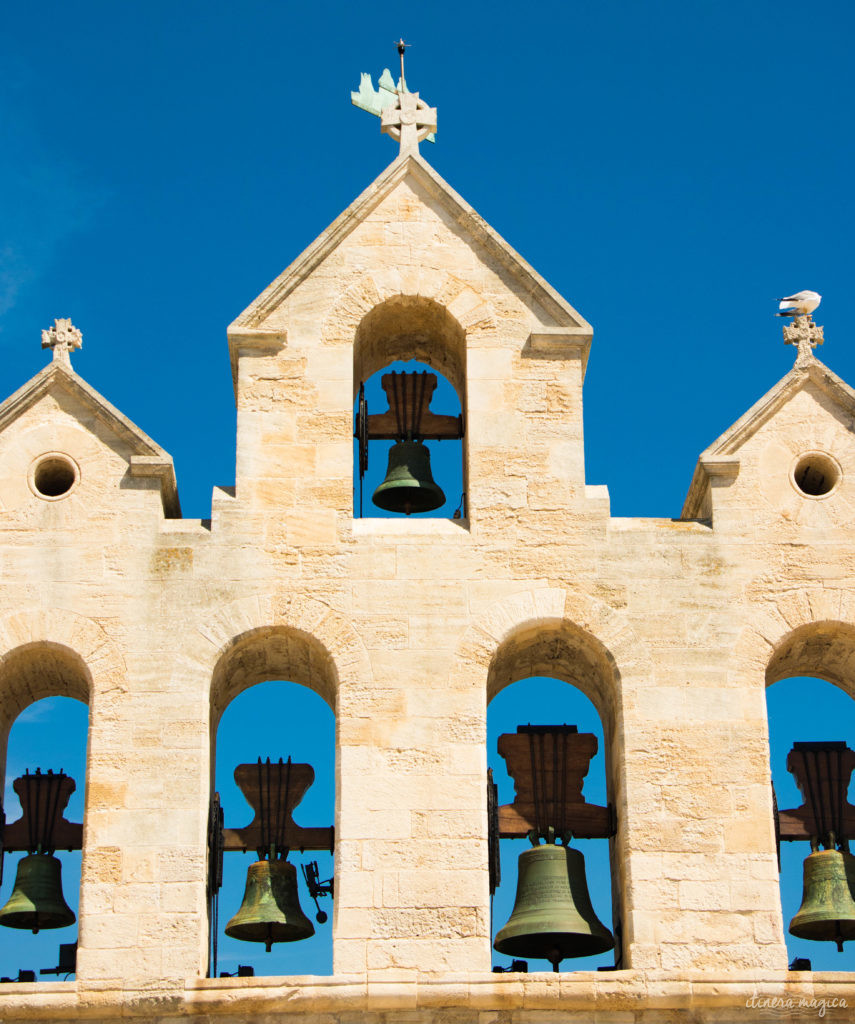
54,476
816,474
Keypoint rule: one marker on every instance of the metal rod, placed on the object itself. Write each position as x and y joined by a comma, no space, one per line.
30,817
546,824
838,825
813,793
261,847
401,47
534,784
54,788
400,415
287,794
564,822
278,830
419,409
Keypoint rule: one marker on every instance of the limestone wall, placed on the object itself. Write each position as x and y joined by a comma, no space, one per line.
407,628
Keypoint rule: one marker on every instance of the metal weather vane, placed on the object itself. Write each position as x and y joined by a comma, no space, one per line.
403,114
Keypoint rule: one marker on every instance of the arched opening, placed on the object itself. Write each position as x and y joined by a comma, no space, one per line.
43,732
272,698
555,675
809,701
409,373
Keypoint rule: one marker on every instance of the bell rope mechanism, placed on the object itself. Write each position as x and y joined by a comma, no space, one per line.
37,900
553,917
826,819
409,486
270,911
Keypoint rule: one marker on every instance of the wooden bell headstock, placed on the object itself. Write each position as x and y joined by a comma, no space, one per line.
822,771
409,417
548,764
42,827
273,790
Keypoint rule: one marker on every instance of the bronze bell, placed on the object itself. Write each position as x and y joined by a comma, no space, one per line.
409,485
37,901
552,916
827,912
271,910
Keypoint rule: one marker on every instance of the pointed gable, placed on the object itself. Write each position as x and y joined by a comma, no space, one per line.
350,242
810,410
409,271
57,393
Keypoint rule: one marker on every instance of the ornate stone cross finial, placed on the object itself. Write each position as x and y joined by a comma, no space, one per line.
804,333
403,115
63,338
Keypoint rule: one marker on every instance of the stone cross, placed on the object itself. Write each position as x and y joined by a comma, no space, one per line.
805,334
409,121
63,338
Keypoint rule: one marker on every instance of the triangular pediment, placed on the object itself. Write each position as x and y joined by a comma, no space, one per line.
722,456
147,458
252,327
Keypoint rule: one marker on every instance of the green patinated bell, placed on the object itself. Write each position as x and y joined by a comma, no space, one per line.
552,917
270,911
827,913
37,901
409,485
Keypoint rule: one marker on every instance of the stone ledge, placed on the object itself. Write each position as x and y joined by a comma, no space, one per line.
405,529
578,994
619,524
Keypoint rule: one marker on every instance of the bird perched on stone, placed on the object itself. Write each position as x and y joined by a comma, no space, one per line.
800,304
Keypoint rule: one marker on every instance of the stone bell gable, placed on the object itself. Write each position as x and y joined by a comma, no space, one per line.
60,439
407,628
788,464
410,270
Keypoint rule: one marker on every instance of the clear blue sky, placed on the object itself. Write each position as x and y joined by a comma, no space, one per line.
670,168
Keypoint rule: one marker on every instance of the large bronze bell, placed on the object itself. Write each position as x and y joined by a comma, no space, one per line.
271,910
552,916
409,485
827,912
37,901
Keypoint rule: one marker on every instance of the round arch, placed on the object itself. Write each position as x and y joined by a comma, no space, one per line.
542,631
796,632
446,309
316,630
54,653
823,649
585,643
411,327
272,652
297,638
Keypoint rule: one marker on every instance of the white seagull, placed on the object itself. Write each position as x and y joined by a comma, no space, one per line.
800,304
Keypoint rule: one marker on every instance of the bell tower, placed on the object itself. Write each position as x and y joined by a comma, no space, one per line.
641,823
409,272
